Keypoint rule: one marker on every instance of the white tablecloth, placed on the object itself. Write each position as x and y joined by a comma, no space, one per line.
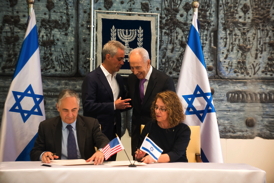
29,172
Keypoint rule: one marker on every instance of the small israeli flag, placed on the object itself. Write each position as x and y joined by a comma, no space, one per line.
151,148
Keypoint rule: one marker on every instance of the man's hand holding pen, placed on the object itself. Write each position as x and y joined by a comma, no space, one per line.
47,156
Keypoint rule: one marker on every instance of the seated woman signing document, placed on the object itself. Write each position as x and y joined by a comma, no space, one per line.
167,130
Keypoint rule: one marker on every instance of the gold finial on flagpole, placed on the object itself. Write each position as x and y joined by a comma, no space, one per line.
30,2
195,6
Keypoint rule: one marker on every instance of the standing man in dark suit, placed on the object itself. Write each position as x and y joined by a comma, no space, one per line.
154,82
103,91
53,134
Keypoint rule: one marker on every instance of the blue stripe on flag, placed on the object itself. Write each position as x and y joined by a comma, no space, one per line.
29,46
194,43
25,154
152,143
203,156
149,152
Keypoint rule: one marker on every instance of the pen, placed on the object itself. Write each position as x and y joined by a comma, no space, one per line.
46,165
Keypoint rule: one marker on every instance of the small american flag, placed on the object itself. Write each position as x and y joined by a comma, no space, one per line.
112,147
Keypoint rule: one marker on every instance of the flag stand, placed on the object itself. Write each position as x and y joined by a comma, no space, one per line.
131,164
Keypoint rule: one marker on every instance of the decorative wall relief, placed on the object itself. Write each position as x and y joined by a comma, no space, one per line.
244,108
245,39
175,22
250,97
12,34
57,45
56,24
84,39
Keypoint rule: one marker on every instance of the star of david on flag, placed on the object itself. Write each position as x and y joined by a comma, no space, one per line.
194,90
24,106
206,97
19,96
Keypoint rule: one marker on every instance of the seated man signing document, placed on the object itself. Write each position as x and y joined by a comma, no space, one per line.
69,135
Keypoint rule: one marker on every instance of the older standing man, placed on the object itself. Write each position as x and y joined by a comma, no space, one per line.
103,91
69,135
143,84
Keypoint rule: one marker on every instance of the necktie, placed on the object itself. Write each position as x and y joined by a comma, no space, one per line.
141,89
71,145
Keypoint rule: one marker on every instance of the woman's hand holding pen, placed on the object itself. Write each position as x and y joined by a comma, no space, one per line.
139,155
47,156
148,159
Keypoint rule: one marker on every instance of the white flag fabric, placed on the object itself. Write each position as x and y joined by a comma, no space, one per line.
194,90
151,148
24,106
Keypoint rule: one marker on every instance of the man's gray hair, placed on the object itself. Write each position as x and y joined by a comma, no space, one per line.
67,93
111,48
141,51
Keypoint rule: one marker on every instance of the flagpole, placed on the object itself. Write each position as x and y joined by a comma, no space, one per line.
195,6
30,2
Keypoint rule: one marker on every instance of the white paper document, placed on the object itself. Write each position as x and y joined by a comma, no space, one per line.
70,162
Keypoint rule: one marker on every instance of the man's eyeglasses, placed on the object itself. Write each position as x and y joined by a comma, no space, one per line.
160,109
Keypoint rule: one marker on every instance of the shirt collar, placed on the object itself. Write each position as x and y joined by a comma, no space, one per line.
106,73
64,125
149,73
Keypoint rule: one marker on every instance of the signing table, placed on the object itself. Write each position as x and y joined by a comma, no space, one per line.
28,172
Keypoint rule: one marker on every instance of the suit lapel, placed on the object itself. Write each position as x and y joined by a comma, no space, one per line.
81,131
135,91
120,84
151,84
104,82
58,137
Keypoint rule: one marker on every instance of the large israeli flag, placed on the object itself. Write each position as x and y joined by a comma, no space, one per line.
194,90
24,106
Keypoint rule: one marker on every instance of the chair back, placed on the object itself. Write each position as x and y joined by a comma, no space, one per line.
193,150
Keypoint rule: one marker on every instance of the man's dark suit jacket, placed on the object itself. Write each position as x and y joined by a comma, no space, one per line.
98,102
49,137
158,82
